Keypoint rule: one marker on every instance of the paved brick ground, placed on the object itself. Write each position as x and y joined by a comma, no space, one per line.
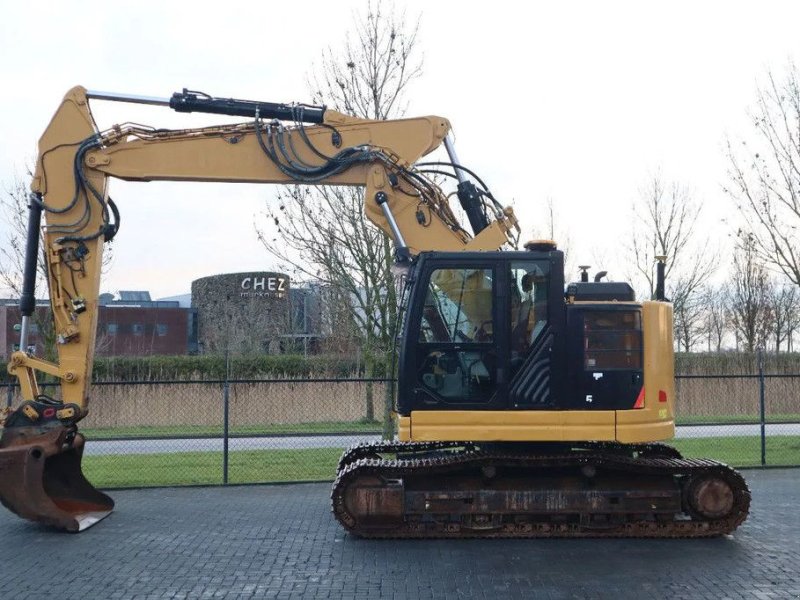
281,542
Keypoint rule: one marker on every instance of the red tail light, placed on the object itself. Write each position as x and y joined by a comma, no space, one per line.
639,399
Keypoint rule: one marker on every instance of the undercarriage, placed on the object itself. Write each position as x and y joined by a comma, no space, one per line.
507,490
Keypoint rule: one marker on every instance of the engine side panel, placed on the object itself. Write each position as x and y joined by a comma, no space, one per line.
656,420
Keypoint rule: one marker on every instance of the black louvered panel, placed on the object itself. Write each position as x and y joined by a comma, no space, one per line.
531,384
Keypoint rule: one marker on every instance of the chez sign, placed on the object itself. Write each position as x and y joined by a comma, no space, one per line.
264,286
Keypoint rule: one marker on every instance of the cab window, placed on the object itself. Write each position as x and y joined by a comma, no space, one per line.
456,354
612,339
529,290
458,307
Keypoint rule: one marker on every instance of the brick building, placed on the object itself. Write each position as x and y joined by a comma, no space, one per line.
133,325
242,306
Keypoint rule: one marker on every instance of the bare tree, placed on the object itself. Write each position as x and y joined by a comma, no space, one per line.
688,313
715,323
551,228
792,327
749,296
368,77
14,204
665,219
325,228
352,258
785,309
765,176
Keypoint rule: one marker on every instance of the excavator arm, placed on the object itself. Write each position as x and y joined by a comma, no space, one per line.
282,144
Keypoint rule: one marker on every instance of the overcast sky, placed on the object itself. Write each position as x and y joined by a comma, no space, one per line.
578,102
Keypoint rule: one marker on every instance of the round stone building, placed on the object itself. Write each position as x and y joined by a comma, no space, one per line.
242,312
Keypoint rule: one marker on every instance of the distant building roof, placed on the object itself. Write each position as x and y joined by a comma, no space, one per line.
107,300
134,296
15,302
183,300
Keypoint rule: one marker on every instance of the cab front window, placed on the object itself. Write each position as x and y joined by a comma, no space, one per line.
456,354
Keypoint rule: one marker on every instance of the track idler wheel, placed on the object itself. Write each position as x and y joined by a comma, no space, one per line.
41,478
710,497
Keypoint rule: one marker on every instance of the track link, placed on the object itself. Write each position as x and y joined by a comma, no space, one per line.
376,449
391,485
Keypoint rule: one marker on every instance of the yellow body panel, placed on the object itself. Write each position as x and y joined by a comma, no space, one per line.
654,422
512,426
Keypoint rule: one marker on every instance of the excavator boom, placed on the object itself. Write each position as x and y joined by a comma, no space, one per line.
40,449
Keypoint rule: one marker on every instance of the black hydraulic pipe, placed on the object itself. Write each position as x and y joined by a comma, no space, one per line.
188,101
27,301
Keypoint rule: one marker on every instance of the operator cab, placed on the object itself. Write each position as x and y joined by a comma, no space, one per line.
495,331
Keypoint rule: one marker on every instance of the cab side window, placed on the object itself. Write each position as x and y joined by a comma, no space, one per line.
529,289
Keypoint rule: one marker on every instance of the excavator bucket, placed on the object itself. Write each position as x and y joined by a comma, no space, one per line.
41,479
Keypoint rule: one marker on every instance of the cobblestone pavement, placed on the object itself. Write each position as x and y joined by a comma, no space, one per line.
282,542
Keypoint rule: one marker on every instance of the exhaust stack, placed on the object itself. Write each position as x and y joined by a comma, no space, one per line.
660,277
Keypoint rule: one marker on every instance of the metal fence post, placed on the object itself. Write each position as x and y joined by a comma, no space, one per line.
9,395
762,406
226,386
225,414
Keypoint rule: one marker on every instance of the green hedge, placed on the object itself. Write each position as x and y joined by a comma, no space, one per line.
211,367
151,368
154,368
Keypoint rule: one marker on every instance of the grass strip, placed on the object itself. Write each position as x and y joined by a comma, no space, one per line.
193,468
782,450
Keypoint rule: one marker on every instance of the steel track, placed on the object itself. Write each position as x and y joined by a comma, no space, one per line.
451,459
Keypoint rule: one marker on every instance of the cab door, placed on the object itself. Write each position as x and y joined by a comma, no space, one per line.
451,355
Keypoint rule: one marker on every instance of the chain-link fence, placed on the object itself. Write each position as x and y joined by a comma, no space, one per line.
226,431
270,430
744,420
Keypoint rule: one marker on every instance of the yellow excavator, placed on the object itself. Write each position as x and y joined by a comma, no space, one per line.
525,408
